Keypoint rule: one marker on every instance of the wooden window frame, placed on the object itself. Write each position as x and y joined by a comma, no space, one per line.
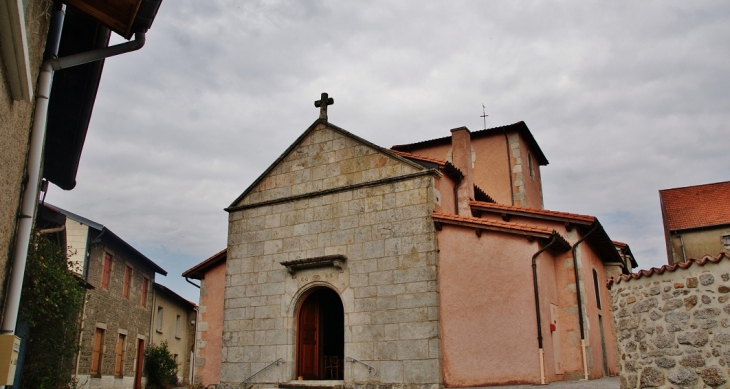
128,272
106,270
119,355
97,352
144,290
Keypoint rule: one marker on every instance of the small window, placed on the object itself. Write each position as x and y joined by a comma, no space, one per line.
598,291
178,321
159,319
119,362
97,352
726,242
143,293
106,273
532,169
127,281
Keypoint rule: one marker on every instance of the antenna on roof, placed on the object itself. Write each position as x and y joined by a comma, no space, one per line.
484,115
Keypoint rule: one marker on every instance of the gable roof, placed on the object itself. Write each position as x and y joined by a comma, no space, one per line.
171,293
599,239
293,146
695,206
519,127
106,233
198,271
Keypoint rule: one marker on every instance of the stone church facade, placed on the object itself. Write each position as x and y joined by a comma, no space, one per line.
350,264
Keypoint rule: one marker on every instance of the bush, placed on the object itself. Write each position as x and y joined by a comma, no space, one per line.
50,306
160,367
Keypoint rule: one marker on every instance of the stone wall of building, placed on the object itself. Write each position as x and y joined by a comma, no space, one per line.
674,327
387,283
15,121
110,310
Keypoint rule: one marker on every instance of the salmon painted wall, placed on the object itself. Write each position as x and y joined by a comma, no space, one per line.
533,184
590,261
488,328
492,172
446,203
210,326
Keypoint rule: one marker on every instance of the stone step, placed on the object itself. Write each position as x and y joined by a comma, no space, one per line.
312,384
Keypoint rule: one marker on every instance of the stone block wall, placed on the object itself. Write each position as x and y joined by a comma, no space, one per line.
379,220
674,328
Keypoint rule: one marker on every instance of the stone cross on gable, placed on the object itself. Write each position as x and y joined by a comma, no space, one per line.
322,105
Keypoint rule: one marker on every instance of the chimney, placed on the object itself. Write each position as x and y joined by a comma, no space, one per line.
461,156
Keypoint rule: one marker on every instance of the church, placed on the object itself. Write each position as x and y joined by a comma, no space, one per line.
426,265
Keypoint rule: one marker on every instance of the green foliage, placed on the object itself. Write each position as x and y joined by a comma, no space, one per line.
51,304
160,366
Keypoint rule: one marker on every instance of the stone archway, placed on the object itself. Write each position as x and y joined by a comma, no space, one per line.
320,335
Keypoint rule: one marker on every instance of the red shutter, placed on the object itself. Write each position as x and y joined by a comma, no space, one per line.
106,274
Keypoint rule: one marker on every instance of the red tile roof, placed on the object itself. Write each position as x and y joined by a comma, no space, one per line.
668,268
198,271
498,208
419,157
491,223
696,206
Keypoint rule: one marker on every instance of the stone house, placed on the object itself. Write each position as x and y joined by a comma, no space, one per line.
45,119
673,325
173,321
118,312
696,220
425,265
209,335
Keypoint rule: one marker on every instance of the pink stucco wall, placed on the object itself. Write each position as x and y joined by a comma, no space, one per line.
211,320
488,320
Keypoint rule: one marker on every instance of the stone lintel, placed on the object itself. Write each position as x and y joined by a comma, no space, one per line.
337,260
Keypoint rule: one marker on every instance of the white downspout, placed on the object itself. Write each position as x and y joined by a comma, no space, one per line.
35,154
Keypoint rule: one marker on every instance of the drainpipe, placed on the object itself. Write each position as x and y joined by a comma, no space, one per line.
35,155
541,352
580,303
192,283
509,170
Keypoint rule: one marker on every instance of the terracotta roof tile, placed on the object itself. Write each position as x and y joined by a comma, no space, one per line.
531,211
696,206
668,268
197,270
492,223
419,157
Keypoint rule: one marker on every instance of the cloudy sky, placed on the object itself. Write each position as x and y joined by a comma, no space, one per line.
624,98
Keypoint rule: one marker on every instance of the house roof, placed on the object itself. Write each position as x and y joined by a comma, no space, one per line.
599,239
171,293
500,226
105,233
696,206
311,128
519,127
74,90
669,268
198,271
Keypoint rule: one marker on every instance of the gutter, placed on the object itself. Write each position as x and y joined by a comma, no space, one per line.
35,156
580,303
541,352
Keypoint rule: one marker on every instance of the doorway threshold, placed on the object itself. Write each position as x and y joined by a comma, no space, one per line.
312,384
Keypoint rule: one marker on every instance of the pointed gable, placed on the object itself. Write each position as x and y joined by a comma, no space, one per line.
323,158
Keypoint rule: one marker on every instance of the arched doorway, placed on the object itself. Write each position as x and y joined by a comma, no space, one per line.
320,336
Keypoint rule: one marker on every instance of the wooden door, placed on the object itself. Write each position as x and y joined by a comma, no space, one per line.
97,352
308,340
139,365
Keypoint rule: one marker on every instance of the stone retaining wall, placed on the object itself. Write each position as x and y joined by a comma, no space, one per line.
673,328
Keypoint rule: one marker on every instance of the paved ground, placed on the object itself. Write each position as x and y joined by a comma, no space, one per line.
602,383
